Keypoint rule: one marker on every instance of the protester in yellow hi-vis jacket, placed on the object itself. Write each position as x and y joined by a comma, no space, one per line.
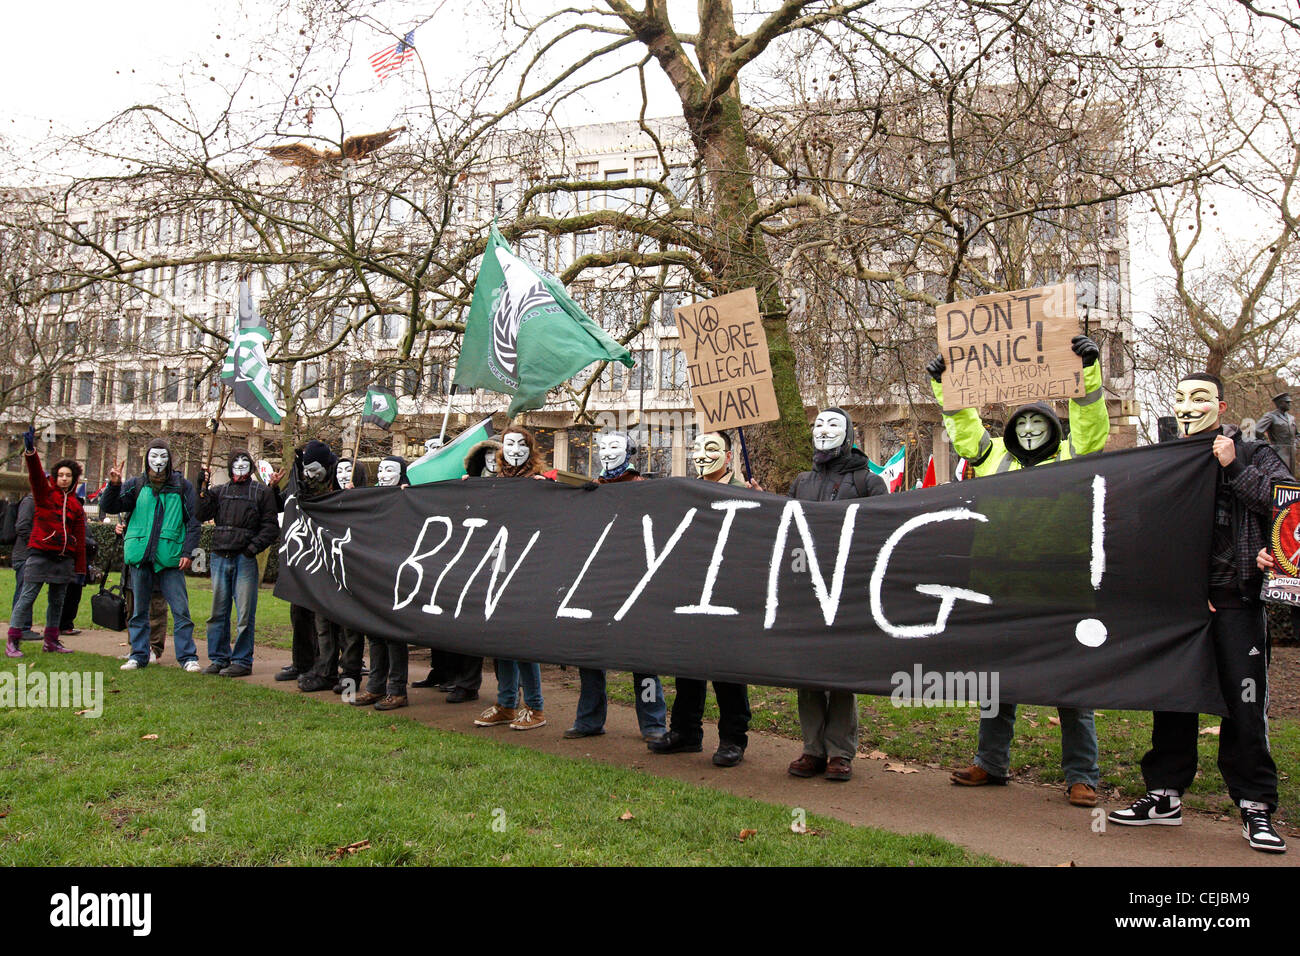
1033,433
1033,436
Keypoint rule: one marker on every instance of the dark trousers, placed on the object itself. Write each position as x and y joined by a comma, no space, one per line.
388,667
339,650
71,602
733,711
303,622
1244,758
463,672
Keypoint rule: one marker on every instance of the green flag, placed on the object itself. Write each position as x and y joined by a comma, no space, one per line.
524,335
245,368
381,408
448,462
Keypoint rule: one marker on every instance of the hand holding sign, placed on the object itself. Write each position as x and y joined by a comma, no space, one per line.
1012,347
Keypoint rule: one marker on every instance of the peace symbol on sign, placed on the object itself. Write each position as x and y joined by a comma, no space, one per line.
708,318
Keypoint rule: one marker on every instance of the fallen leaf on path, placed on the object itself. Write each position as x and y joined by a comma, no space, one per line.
348,850
899,768
1054,721
877,755
1032,723
149,737
1210,731
746,834
80,713
626,815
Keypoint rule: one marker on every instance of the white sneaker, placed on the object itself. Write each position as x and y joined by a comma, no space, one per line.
153,658
193,667
131,665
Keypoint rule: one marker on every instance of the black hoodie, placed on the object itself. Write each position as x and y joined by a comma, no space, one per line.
1044,451
844,475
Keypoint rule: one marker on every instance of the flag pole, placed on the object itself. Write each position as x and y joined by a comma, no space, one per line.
216,423
356,445
442,435
744,453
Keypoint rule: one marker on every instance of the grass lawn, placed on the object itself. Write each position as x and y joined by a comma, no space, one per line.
274,778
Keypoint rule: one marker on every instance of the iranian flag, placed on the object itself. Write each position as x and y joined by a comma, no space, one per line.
524,335
448,462
245,369
891,471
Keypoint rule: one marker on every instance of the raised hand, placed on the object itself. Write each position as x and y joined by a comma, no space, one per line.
29,439
1086,349
936,367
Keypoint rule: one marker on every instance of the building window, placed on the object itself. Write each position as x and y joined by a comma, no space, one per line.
311,380
127,394
172,385
642,375
613,379
85,387
106,387
672,366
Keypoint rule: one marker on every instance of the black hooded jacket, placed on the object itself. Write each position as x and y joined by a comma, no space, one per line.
845,475
244,513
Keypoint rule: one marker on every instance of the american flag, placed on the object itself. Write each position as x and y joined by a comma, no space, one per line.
390,59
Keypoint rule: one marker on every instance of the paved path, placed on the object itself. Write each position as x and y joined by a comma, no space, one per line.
1022,823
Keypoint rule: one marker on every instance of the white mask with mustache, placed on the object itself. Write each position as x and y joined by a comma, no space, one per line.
710,454
1032,430
1196,406
514,449
829,430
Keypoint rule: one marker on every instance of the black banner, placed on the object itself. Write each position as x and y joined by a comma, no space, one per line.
1074,584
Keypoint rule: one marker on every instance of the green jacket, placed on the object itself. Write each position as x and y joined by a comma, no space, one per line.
1089,428
161,524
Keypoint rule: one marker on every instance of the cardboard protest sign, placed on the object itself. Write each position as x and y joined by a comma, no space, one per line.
726,353
1011,347
1282,584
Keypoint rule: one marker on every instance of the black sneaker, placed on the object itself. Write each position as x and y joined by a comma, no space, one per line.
1257,828
311,683
1153,809
215,667
674,743
289,672
236,670
459,695
728,755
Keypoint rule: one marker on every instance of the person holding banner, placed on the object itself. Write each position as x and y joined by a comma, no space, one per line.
712,456
828,720
1033,436
316,666
518,457
616,451
389,659
1242,514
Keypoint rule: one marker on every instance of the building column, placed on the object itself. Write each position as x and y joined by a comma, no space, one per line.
560,450
943,463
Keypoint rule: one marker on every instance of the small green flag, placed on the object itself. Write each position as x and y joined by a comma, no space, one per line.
381,408
245,368
448,462
524,335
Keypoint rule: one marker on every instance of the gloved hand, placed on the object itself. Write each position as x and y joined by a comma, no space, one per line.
205,478
936,367
1086,349
80,579
29,439
251,552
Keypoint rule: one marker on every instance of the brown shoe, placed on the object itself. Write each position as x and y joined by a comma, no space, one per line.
838,768
495,716
528,719
1082,795
807,766
365,699
974,776
391,703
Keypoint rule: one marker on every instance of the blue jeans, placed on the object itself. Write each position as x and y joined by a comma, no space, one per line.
1078,744
509,676
172,583
233,575
26,597
651,715
18,587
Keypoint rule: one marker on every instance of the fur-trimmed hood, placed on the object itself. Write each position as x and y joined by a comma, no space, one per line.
476,458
